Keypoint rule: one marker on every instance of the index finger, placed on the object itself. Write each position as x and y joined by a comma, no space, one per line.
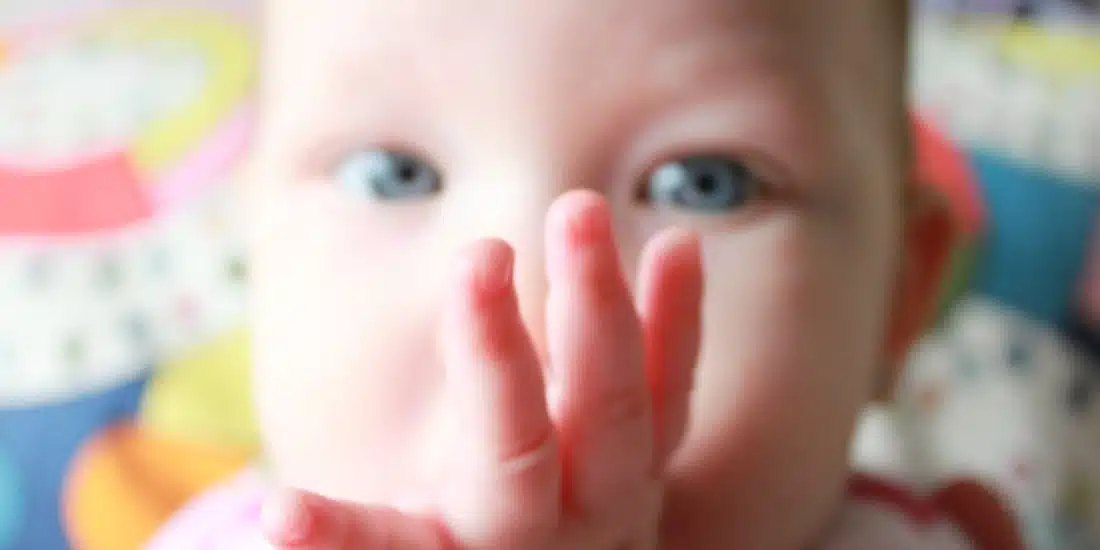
506,494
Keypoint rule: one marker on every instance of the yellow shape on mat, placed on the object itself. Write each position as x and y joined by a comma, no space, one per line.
229,52
205,395
124,484
1066,53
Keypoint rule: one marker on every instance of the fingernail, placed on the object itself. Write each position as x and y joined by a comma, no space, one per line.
286,518
499,276
590,223
581,217
488,266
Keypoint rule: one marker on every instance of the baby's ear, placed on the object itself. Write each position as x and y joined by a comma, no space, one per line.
930,236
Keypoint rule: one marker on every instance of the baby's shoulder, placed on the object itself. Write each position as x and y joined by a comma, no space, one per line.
962,515
226,517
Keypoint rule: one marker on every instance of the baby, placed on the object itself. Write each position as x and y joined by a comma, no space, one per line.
480,234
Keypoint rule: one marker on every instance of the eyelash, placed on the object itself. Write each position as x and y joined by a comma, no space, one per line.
641,181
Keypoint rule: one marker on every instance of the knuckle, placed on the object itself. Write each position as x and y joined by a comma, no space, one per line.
529,454
621,406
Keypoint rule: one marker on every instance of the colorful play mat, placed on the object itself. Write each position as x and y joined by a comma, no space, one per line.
123,343
122,348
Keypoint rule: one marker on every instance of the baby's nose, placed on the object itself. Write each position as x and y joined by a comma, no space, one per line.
518,219
531,287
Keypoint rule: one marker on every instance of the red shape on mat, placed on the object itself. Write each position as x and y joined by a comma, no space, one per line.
943,165
98,195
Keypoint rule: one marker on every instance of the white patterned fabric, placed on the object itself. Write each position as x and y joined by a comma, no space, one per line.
995,396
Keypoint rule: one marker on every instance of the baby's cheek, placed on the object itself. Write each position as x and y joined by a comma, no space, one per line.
782,374
347,372
334,425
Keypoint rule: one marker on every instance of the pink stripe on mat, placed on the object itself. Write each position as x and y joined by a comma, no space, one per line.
206,165
101,195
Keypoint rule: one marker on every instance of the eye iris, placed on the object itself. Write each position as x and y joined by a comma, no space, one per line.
389,175
701,183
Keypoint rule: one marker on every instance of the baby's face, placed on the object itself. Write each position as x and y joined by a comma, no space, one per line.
395,132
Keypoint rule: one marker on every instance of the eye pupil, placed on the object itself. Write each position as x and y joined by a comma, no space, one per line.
406,172
707,182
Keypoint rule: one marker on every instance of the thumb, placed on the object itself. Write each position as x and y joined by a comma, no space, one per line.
297,520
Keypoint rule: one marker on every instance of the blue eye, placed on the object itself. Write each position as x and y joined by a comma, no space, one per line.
709,184
387,175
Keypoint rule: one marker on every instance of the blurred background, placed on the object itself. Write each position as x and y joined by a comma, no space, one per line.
123,343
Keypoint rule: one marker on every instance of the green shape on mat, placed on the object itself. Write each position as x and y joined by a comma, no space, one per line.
961,268
11,500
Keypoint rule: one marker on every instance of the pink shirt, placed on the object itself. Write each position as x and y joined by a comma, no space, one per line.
876,516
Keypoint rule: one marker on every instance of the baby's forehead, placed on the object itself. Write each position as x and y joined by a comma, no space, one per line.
782,31
581,60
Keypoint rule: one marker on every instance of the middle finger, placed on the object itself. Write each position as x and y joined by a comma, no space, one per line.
595,345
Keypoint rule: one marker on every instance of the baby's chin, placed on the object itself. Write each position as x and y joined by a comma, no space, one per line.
387,482
361,468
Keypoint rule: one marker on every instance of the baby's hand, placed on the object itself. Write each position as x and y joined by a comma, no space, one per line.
583,473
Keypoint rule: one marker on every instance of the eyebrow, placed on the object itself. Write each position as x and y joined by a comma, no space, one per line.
717,59
751,81
726,58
